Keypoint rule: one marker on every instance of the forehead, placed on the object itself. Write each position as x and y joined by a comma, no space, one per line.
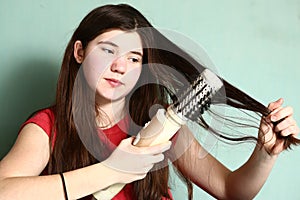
124,40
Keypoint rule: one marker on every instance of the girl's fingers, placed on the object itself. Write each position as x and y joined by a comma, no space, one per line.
156,149
291,130
272,106
289,121
280,114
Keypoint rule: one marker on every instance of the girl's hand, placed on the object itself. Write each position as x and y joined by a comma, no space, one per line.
132,162
277,125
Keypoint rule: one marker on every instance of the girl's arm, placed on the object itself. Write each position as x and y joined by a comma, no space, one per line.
20,169
246,181
213,177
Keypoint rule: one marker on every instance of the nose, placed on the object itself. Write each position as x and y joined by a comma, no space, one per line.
119,65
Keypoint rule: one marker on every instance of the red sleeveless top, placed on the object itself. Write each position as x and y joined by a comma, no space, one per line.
45,120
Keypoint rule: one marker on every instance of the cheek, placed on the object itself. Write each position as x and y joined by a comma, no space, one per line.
94,67
132,77
130,80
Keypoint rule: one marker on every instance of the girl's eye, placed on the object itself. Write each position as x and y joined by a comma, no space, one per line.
134,60
108,51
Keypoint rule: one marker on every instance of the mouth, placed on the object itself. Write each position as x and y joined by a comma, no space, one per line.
114,82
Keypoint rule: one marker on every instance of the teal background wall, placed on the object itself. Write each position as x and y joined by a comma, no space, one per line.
254,44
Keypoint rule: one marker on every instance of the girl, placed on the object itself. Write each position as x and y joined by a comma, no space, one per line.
83,144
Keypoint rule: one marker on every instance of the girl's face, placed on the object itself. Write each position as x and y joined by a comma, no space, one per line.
112,63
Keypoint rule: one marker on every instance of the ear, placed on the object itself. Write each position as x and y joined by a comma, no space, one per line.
78,51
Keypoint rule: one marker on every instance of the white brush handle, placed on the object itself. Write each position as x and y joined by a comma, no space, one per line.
160,129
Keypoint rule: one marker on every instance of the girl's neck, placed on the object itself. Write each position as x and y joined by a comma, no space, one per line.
113,110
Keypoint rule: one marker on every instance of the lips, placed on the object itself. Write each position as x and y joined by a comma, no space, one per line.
113,82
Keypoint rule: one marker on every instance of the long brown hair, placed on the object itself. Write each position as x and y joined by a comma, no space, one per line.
69,152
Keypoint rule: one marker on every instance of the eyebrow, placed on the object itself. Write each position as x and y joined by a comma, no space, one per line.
137,53
108,42
115,45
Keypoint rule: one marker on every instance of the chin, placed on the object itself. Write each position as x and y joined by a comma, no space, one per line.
112,97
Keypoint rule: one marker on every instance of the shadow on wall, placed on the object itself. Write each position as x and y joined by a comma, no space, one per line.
29,87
